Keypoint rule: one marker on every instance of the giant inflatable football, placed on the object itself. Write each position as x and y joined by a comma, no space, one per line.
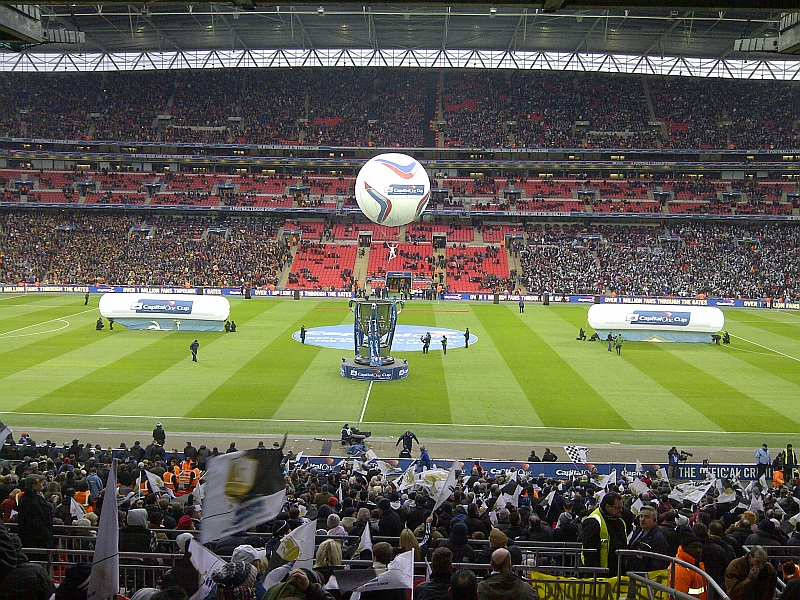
392,189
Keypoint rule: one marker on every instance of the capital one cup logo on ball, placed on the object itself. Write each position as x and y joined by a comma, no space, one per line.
392,189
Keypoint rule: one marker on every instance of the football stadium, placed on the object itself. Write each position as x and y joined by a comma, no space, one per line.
399,300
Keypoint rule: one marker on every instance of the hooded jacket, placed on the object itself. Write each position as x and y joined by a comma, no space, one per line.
686,580
457,542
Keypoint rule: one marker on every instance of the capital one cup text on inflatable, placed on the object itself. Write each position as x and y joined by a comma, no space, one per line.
392,189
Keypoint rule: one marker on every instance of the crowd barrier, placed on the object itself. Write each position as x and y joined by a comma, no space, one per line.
484,297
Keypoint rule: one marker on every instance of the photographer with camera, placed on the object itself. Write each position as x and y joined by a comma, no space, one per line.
675,457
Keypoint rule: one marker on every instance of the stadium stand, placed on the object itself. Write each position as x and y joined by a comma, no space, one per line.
323,266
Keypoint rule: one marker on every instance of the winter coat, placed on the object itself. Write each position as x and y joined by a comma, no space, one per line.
505,586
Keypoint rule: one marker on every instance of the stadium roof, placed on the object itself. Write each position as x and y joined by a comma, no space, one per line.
585,27
161,26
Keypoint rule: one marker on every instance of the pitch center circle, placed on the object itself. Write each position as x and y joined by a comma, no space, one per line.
407,338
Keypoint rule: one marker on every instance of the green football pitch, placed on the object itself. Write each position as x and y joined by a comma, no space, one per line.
526,379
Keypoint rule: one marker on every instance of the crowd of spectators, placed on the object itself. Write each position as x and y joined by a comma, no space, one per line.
392,108
488,518
691,259
686,259
129,249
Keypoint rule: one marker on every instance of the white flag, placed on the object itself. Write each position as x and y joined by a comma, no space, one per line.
205,561
298,546
445,491
636,507
243,489
76,510
639,486
365,543
639,467
406,480
605,480
104,579
693,492
341,493
399,574
756,504
157,484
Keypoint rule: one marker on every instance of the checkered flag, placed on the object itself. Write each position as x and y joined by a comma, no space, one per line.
577,454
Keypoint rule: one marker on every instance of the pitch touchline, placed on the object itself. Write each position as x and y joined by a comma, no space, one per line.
464,425
767,348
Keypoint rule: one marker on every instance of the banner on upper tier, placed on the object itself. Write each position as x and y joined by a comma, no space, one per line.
486,297
560,470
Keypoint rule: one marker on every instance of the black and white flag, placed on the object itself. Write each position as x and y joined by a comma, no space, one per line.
242,490
577,454
5,431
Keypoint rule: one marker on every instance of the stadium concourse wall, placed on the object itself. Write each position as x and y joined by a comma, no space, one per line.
485,297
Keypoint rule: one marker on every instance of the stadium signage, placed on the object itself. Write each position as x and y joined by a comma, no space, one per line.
483,297
405,190
371,374
149,306
562,470
650,318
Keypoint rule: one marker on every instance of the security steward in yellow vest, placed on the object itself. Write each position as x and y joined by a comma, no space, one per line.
604,532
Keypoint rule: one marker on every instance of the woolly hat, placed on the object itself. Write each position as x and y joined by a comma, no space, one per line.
75,582
564,518
185,522
384,504
234,574
280,528
767,526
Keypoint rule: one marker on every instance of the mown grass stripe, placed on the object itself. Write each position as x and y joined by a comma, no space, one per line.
751,325
474,394
553,387
77,358
175,389
423,396
742,371
45,324
96,389
628,389
259,386
723,404
321,389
